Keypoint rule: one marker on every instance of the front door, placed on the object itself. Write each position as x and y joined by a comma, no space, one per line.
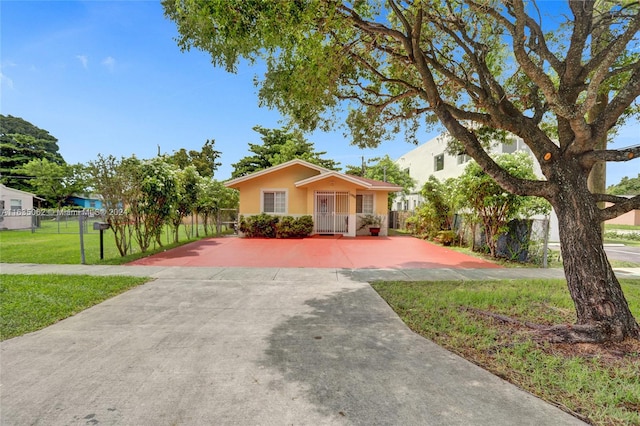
331,212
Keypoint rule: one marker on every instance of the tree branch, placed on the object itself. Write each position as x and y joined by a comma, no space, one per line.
619,208
610,155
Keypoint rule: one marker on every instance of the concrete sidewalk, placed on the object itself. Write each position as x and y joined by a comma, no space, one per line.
203,346
279,274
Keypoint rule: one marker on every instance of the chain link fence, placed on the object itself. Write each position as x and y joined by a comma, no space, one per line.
67,222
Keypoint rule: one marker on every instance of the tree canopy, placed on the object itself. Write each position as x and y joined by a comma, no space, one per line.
205,161
21,142
279,146
534,69
55,182
626,186
386,170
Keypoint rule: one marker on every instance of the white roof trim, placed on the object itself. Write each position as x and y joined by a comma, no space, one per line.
295,161
333,174
21,191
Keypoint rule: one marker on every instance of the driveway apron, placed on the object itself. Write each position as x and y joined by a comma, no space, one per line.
355,253
255,346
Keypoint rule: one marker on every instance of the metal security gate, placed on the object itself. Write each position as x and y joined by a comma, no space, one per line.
331,214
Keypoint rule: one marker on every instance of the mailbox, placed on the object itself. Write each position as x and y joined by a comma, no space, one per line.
100,226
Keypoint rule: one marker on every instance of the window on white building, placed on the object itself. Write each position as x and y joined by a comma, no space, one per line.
274,202
463,158
509,148
438,162
364,203
15,204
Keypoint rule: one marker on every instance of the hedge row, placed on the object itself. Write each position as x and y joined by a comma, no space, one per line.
267,226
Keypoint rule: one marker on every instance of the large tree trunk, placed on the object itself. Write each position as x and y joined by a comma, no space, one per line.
602,310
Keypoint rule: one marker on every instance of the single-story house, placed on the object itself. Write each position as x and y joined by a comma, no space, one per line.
296,188
16,207
88,201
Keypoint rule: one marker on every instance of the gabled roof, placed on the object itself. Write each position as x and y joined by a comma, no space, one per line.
233,182
364,183
21,191
378,184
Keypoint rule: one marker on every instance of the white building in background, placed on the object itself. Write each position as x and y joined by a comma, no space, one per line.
16,208
431,158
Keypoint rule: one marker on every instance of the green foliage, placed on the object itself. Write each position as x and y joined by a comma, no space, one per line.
290,227
152,206
489,204
112,179
188,185
138,196
204,161
370,220
626,186
386,170
446,238
267,226
262,225
20,143
213,197
279,146
440,203
53,181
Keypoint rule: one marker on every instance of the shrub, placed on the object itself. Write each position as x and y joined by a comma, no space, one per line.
446,238
267,226
262,225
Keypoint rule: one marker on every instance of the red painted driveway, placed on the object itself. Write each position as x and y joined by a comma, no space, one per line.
351,253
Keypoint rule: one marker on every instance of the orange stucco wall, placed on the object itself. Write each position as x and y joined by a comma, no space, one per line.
250,192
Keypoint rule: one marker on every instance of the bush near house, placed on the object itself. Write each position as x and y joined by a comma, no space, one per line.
267,226
290,227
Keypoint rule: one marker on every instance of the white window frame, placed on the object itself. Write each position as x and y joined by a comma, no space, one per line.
274,191
15,204
373,202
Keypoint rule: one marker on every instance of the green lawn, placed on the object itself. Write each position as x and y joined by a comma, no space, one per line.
599,383
31,302
48,246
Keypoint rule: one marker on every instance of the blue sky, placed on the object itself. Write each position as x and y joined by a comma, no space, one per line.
107,77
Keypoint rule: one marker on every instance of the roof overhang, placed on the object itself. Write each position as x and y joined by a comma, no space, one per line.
233,183
330,175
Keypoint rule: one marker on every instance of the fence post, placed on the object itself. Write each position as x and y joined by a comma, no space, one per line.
545,247
81,223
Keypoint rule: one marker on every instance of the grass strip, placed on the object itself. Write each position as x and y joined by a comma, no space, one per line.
31,302
52,248
599,383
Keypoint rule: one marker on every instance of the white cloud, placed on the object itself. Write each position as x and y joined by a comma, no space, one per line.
6,81
110,63
84,60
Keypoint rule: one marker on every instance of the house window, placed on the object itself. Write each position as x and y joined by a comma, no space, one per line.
438,162
364,203
274,201
16,204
